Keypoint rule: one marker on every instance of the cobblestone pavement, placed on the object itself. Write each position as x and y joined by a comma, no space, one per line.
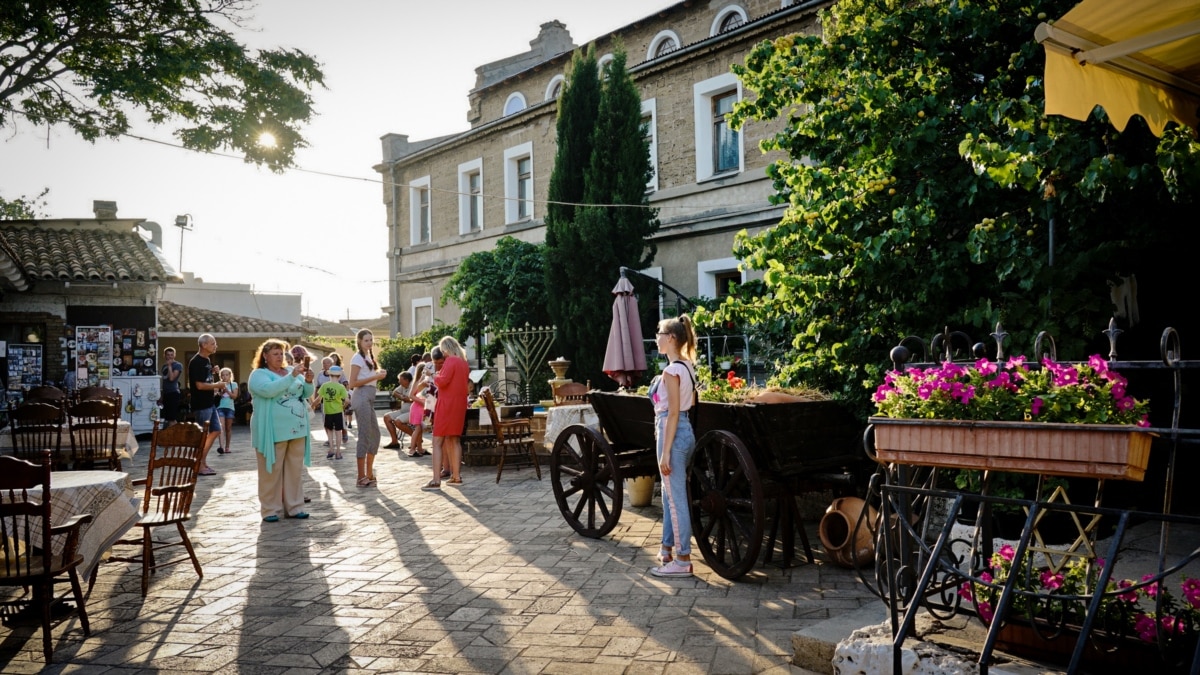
487,578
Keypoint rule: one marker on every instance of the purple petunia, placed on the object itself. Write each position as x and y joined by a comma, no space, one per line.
1036,406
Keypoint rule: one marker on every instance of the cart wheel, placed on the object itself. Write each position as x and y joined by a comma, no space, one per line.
587,484
726,495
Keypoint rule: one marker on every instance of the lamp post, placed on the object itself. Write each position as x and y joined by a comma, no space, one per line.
184,223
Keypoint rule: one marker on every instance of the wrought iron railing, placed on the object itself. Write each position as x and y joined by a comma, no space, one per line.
921,565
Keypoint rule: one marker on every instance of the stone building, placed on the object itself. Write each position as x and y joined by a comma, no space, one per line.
451,196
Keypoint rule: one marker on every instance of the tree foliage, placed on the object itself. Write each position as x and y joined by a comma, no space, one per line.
611,231
88,63
499,289
23,207
925,188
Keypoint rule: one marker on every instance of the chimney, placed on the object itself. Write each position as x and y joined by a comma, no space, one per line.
104,210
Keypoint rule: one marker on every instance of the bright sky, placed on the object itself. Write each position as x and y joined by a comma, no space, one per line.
390,67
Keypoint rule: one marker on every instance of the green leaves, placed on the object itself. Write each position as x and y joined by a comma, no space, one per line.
86,63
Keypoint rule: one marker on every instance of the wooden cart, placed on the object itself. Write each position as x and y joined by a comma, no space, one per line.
748,458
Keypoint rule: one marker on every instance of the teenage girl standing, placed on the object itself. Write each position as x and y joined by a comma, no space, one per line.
674,394
364,373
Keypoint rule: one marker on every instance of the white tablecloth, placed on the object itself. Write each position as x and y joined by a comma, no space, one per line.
105,495
560,417
125,439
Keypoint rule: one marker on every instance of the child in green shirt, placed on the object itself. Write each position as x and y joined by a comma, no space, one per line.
333,396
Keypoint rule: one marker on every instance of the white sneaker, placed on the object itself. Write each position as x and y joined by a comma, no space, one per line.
674,568
665,556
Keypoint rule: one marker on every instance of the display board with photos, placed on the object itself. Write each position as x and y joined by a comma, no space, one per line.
93,356
135,351
24,370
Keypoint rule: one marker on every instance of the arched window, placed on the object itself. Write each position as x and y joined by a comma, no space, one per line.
515,103
555,88
603,61
727,19
664,43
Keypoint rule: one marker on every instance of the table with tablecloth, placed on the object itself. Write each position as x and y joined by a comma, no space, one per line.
125,439
106,495
560,417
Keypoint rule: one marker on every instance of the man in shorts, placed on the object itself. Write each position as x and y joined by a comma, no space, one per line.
203,392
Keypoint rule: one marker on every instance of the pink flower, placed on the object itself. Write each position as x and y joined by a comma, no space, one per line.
1152,589
1118,390
1051,581
1144,422
925,390
985,367
1191,591
1036,406
1144,626
1066,376
881,393
1015,362
985,611
1125,404
964,591
1131,596
1098,364
1007,552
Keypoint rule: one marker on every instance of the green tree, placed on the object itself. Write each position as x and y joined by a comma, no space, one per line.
577,109
486,283
23,207
925,188
88,63
609,232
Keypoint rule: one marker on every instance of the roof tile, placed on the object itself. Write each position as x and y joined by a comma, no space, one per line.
48,253
174,318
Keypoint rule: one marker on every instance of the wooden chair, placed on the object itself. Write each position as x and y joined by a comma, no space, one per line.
513,436
47,394
92,426
571,393
99,394
37,427
27,553
170,482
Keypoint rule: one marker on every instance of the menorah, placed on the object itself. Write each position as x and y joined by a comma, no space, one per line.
527,347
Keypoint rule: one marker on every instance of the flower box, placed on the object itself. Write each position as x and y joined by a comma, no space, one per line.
1080,450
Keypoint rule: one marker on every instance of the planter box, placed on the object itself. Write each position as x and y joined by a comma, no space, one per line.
1103,653
1081,450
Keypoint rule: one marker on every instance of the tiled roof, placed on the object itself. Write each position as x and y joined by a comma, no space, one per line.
82,251
173,318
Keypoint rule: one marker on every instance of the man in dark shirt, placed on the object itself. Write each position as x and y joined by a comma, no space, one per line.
203,395
171,395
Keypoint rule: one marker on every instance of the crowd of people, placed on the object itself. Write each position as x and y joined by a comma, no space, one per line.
292,398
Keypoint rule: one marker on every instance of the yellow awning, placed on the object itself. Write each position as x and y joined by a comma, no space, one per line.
1132,57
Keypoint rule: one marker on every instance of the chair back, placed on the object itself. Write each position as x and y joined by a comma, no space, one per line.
571,393
24,517
36,427
101,394
490,403
171,471
47,394
92,426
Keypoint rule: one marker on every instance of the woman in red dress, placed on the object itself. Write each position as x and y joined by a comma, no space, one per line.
449,417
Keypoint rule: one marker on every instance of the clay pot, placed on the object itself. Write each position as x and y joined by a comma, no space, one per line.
837,526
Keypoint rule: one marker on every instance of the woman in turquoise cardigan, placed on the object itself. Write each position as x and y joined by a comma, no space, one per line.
279,430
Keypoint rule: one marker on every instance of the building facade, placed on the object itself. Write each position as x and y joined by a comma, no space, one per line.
451,196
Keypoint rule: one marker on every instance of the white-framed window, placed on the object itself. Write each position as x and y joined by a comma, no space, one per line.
422,315
420,211
601,62
718,146
518,183
470,196
714,276
664,43
650,126
727,19
555,88
515,103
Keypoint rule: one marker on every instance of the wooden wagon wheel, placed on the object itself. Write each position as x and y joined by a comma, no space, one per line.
726,496
586,481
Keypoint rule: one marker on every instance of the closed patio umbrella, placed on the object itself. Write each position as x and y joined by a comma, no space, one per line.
625,358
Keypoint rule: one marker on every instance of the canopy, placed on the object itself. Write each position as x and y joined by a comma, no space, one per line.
1132,57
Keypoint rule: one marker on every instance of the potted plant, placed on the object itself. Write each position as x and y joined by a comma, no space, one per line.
1142,617
1056,419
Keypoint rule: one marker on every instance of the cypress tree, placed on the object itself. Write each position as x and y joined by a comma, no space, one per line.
605,237
578,106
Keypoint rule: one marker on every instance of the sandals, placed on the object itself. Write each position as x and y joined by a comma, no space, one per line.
271,519
456,482
446,473
207,471
431,486
364,482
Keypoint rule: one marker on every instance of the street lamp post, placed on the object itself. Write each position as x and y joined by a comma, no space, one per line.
184,223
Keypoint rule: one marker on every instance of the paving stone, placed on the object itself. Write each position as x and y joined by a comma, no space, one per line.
488,578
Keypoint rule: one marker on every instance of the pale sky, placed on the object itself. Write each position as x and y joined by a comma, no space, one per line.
391,66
